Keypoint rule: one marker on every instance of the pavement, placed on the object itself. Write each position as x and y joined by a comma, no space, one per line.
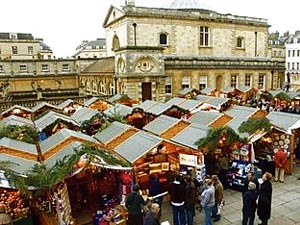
285,205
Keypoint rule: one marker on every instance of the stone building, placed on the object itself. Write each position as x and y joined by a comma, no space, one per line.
91,49
28,72
23,46
158,51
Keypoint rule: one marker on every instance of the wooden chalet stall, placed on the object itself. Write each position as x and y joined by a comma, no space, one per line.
69,106
51,122
42,108
97,103
289,123
188,93
92,187
148,153
17,111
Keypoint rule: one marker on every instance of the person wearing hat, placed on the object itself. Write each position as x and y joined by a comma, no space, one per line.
5,218
249,204
280,160
134,203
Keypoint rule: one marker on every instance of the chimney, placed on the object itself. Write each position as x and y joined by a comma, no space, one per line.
129,3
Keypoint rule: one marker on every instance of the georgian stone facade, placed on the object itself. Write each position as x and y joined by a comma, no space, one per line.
159,51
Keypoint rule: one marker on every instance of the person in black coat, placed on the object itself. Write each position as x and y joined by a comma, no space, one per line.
265,199
249,204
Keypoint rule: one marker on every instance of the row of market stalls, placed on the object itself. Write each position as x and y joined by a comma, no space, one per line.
158,138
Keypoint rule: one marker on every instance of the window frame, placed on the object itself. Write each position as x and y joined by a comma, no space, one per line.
234,80
203,82
185,83
240,42
23,68
14,50
261,81
166,38
168,86
248,80
204,36
65,67
45,69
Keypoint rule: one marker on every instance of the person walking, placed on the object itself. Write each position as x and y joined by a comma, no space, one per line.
134,203
152,216
177,195
208,200
219,194
280,160
265,199
190,198
249,204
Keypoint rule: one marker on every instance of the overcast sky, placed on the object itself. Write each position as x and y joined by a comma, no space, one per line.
64,24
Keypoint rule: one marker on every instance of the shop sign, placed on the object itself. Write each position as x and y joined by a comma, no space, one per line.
189,160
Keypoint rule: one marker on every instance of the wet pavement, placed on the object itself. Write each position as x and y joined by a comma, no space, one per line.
285,205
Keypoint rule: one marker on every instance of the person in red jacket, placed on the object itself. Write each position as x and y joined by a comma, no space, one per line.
280,162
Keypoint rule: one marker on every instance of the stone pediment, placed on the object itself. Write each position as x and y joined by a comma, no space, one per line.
113,15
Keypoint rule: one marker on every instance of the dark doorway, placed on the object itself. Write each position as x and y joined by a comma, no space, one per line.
146,91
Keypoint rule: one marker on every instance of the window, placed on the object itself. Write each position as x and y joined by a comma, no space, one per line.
261,81
23,68
30,50
14,50
297,65
248,80
45,67
1,68
293,53
102,88
293,65
233,81
288,65
204,36
65,67
111,89
185,82
163,39
298,53
240,42
202,82
289,53
168,85
274,53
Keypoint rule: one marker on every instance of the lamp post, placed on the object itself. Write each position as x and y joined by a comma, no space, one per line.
272,79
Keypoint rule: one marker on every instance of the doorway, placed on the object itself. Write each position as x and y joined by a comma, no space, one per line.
146,91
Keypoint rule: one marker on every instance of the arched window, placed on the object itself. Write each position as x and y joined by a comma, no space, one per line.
116,43
240,42
163,39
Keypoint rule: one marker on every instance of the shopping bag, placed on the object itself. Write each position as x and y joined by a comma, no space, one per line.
220,207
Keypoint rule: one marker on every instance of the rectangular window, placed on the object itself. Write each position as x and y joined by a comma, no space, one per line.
204,36
1,68
288,65
185,83
65,67
168,85
14,50
274,53
233,81
289,53
293,53
261,81
202,82
248,80
45,67
298,53
23,68
30,50
293,65
297,65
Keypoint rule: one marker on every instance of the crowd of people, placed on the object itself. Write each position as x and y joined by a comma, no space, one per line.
186,192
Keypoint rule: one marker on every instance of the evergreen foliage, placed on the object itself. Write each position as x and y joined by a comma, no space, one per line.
252,125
